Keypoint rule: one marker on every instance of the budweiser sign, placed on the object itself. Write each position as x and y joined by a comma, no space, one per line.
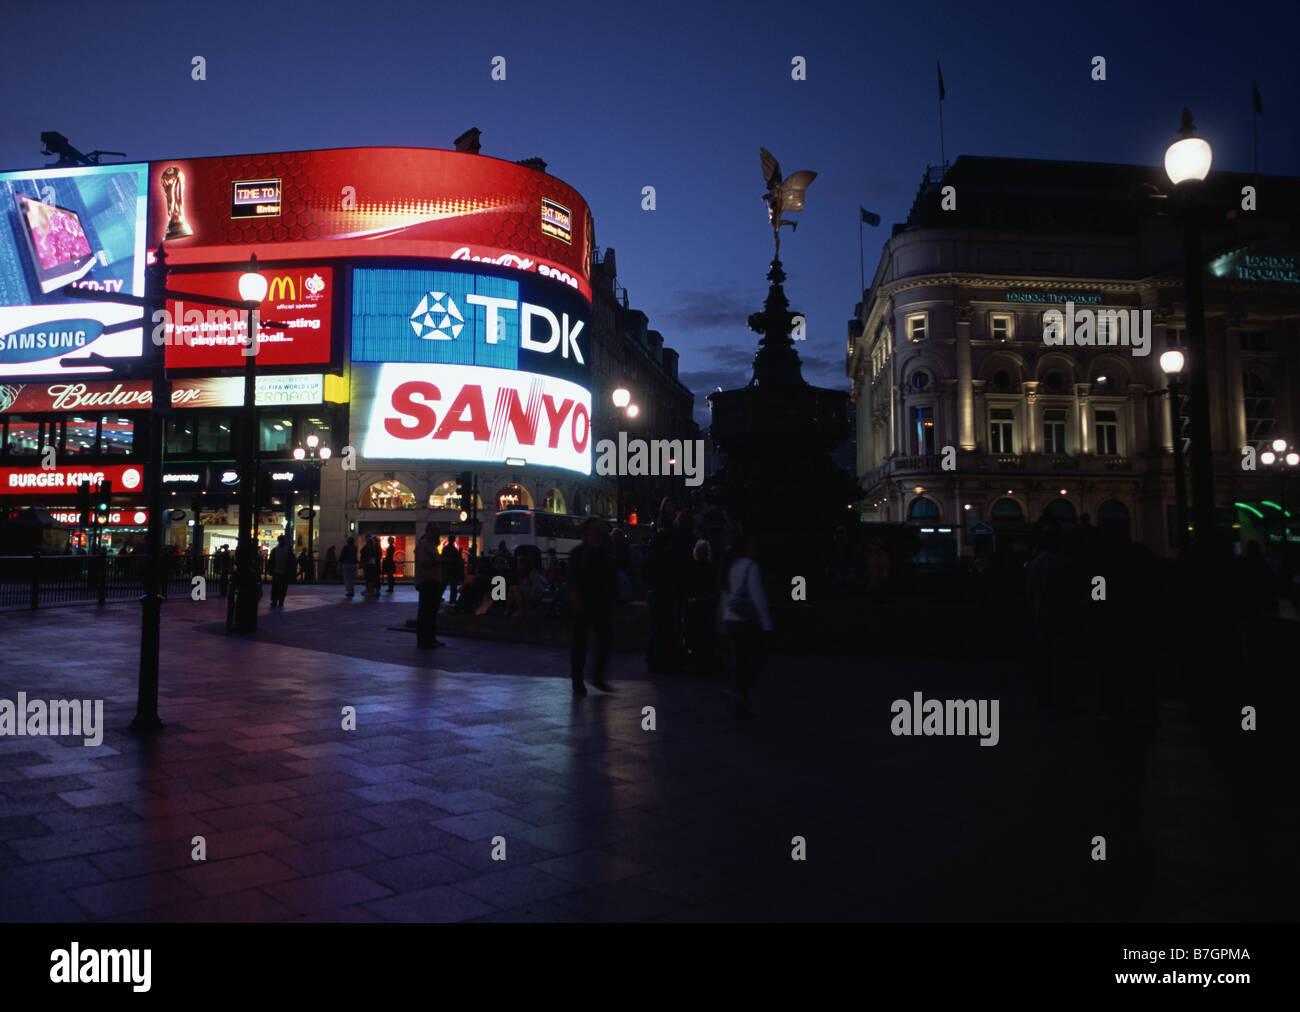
137,395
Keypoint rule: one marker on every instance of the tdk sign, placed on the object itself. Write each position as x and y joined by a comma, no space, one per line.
455,317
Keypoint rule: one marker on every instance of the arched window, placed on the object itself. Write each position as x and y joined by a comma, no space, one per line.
514,497
1060,510
1113,513
554,502
444,497
387,495
1007,510
923,509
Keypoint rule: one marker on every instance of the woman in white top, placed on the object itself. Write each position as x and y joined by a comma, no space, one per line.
744,618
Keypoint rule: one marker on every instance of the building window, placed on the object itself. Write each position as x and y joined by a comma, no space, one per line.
1105,329
387,495
1002,381
23,438
1254,340
180,436
1054,420
80,436
923,419
923,509
1175,337
514,497
276,435
1060,510
1054,381
1002,430
916,327
116,435
1258,401
1007,511
1107,433
920,379
213,434
554,501
1000,328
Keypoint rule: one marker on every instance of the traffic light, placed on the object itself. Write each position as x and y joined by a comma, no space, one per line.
83,503
465,488
104,497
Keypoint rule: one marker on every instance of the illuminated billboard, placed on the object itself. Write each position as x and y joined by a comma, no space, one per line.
126,478
371,202
206,337
74,227
471,413
77,396
460,316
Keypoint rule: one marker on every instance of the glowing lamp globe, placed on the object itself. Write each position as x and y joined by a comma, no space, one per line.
252,287
1171,363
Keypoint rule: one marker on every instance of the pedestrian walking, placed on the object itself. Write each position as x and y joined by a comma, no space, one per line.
593,589
745,621
390,563
280,563
348,560
428,581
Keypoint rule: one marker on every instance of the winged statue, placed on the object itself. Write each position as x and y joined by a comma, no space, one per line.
782,194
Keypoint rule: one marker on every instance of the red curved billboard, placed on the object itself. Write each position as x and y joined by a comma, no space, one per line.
362,202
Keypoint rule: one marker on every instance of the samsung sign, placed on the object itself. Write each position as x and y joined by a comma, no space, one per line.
467,317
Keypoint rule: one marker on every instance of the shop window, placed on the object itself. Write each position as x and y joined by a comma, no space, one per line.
1007,510
514,497
116,435
554,501
923,509
923,419
387,495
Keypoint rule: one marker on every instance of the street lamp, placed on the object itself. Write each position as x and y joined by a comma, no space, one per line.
1171,364
315,456
1187,163
1286,459
622,398
241,614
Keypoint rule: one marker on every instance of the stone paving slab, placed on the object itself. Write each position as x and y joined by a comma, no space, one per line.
477,746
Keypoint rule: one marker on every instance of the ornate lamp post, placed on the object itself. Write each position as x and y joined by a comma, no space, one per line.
315,455
1171,364
242,611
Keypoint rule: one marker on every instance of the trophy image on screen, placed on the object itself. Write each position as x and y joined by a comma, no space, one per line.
173,186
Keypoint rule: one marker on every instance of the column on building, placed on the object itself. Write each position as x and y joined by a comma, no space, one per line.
965,389
1236,399
1033,436
1081,417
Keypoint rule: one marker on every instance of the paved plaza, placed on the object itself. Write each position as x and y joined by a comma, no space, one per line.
602,820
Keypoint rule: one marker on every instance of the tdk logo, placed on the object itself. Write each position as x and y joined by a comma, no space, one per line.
437,318
563,333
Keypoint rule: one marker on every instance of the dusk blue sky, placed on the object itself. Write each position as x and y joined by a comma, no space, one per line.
680,97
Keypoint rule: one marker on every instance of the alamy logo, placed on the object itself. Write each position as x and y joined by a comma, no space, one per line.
437,318
1099,327
652,457
77,717
946,717
75,965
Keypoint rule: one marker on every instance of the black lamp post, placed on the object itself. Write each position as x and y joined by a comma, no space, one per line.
241,616
1171,363
1285,460
1187,163
314,455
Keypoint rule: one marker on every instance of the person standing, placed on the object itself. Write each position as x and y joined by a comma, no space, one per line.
370,566
348,560
223,568
745,620
428,581
593,589
390,562
280,562
453,570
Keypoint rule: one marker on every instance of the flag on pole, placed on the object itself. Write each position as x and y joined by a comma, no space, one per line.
1259,106
942,93
868,217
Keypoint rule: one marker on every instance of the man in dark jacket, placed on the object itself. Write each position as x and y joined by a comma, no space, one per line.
593,589
453,570
428,581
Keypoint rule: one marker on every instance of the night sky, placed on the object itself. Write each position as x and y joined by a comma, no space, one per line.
679,97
